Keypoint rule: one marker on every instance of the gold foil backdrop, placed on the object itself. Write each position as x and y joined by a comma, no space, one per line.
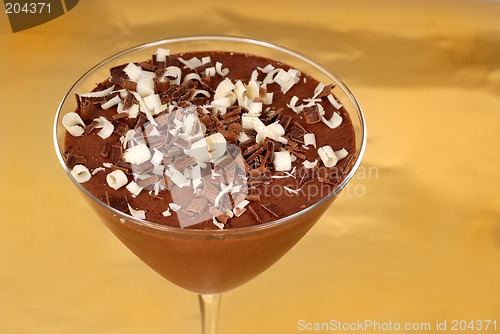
415,238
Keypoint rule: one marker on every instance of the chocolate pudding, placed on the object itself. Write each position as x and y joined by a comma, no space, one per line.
280,140
204,145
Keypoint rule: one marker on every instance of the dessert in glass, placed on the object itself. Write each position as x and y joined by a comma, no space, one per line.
209,157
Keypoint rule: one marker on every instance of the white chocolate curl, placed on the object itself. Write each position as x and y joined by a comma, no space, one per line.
209,148
166,213
341,154
282,161
73,124
334,121
328,156
220,71
309,165
81,173
134,188
137,155
106,127
161,54
174,206
310,139
239,209
334,102
116,179
112,102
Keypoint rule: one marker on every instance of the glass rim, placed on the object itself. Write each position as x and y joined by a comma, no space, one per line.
240,230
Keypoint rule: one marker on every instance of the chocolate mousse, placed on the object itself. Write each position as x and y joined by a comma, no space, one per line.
209,140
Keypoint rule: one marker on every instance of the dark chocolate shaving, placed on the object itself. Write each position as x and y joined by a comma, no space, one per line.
129,85
118,116
199,100
123,166
311,114
209,191
349,164
251,150
147,66
232,111
254,214
78,102
201,69
232,132
141,119
285,122
220,216
73,159
223,218
272,115
117,202
129,101
106,149
118,75
116,153
89,128
181,142
149,181
260,173
197,205
172,61
229,120
254,155
327,90
300,155
300,127
160,87
272,209
85,110
144,168
120,128
305,175
296,133
327,180
182,162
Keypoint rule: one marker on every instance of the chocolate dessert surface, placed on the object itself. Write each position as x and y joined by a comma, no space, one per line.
209,140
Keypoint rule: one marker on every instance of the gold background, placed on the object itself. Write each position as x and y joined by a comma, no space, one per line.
415,237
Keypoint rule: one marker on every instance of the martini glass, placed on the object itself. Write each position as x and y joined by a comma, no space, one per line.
210,262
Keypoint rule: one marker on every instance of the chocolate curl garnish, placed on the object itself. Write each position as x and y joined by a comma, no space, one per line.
197,205
272,115
74,159
305,175
120,128
147,66
311,114
272,209
117,202
285,122
254,214
220,216
129,85
116,153
231,134
118,75
327,90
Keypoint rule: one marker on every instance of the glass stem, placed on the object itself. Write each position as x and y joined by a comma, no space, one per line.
209,308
